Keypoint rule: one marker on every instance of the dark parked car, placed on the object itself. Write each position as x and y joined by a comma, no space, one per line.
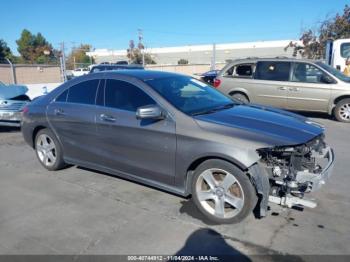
209,76
178,134
108,67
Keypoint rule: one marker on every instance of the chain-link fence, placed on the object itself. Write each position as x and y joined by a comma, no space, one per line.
11,73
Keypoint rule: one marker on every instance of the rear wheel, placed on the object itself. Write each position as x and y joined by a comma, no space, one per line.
48,150
342,110
240,97
222,192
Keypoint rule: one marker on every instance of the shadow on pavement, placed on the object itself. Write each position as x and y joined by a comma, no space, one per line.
9,129
207,242
316,115
189,208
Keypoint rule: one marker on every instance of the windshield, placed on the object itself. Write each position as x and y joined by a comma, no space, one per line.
190,95
334,72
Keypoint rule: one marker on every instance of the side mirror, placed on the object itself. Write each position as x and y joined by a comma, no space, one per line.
327,79
149,112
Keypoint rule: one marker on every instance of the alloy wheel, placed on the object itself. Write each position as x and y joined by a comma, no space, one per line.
46,150
344,112
220,193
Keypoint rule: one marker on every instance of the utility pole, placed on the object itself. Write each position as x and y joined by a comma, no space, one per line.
213,58
141,46
63,63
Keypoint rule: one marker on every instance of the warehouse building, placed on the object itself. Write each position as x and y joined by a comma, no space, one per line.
202,54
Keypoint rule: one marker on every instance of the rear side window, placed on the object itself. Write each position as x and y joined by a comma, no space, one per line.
125,96
84,92
62,97
275,71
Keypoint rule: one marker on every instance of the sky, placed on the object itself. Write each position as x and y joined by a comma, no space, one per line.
112,23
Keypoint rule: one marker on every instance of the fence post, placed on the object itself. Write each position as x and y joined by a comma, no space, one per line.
14,80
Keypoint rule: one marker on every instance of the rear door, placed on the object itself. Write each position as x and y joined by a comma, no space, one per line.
144,148
270,80
72,117
308,89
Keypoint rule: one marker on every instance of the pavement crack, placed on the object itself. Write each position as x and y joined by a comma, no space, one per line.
286,222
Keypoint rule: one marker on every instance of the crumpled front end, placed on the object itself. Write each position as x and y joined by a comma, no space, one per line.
294,171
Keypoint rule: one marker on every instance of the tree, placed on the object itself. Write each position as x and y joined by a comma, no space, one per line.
135,54
182,62
314,41
78,57
34,48
5,51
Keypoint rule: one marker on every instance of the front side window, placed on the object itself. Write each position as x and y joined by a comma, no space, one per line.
274,71
125,96
189,95
307,73
345,50
83,93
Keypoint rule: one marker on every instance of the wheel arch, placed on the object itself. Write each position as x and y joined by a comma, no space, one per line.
199,160
336,101
35,132
239,91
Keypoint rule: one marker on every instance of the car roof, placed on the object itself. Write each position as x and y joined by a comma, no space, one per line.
140,74
279,59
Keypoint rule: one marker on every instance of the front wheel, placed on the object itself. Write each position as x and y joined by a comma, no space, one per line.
222,192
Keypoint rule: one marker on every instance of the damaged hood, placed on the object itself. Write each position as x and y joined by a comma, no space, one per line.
11,91
266,125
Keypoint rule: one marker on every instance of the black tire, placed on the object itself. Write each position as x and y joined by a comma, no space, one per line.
57,152
240,97
339,113
249,192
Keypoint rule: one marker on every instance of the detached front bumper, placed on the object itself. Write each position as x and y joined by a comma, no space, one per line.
317,180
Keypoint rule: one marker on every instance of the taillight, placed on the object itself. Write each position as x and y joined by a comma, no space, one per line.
217,82
25,110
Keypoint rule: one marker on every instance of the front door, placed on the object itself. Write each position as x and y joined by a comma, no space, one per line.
144,148
309,89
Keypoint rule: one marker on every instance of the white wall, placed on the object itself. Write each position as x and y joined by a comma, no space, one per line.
35,90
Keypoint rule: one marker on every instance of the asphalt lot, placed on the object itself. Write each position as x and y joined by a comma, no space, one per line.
77,211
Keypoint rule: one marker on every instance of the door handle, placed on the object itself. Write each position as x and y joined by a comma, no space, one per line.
107,118
282,88
295,89
59,112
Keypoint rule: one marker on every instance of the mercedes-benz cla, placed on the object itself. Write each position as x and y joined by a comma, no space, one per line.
178,134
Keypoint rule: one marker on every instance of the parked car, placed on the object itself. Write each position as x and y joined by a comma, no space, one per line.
80,72
105,67
293,84
122,62
209,76
13,99
181,135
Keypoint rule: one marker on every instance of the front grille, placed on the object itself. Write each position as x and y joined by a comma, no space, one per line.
12,106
